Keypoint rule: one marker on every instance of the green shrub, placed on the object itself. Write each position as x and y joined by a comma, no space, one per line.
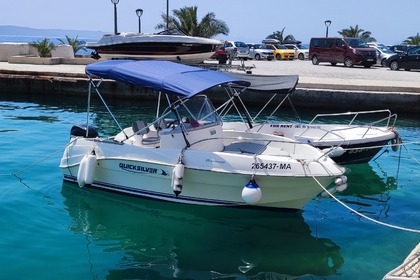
44,47
76,44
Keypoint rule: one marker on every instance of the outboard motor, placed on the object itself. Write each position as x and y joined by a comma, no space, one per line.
81,129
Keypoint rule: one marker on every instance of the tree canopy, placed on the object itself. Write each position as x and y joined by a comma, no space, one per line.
76,44
356,32
413,40
44,47
186,21
279,35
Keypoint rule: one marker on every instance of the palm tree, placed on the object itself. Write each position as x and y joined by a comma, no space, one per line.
279,35
76,44
44,47
413,40
356,32
185,20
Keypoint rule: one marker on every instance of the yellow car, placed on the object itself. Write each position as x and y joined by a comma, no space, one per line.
281,52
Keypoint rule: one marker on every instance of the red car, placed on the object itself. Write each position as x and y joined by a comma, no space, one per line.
220,55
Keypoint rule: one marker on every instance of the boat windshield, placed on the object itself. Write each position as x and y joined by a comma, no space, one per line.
197,111
172,31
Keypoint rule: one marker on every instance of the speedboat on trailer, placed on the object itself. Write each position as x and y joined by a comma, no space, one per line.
184,155
347,137
161,46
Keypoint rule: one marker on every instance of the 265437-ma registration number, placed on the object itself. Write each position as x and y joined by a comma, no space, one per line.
262,165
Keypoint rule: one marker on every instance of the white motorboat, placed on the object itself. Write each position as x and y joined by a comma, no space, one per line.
350,137
184,155
160,46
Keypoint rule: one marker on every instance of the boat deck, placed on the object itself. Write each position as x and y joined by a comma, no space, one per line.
409,269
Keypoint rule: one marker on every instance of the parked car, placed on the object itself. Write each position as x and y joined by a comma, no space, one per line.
220,55
382,52
301,51
237,48
281,52
398,48
260,51
350,51
407,60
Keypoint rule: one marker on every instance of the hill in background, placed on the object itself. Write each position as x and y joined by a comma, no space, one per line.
11,30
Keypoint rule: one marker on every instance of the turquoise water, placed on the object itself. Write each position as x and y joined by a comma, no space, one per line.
55,230
56,41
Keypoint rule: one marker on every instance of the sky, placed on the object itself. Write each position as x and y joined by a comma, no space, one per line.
390,22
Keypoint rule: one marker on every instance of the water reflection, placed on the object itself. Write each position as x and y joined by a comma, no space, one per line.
164,240
368,190
368,179
16,111
67,109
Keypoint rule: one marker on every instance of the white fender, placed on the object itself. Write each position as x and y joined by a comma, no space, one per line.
341,188
81,172
332,191
251,193
90,168
340,180
178,177
333,152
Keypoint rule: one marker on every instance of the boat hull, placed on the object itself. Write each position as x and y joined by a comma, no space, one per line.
360,143
190,59
358,153
208,179
184,49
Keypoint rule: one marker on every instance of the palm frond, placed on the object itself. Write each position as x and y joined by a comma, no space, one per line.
186,21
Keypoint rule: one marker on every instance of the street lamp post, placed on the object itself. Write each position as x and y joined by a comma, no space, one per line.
327,24
139,12
115,2
167,14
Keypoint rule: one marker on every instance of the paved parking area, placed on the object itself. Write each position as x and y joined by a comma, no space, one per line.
338,77
322,76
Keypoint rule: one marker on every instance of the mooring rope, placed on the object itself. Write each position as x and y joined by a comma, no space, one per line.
38,162
411,155
362,215
400,145
383,152
382,146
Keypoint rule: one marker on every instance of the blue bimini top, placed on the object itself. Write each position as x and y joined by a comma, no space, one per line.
165,76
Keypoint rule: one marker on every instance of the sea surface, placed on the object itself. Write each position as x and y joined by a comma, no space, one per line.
55,230
55,40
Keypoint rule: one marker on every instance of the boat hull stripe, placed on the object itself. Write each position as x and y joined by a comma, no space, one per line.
155,195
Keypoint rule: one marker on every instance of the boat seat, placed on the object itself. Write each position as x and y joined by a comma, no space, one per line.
245,147
140,125
144,129
161,124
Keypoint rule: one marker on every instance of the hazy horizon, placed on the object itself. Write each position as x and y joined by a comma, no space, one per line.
247,22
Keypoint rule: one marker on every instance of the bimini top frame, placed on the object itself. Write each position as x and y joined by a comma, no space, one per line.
162,76
286,85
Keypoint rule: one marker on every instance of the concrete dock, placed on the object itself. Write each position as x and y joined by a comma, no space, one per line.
409,269
320,86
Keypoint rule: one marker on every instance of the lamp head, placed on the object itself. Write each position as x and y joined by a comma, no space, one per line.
139,12
115,2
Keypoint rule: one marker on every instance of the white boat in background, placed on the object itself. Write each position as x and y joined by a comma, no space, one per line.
185,156
160,46
347,137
